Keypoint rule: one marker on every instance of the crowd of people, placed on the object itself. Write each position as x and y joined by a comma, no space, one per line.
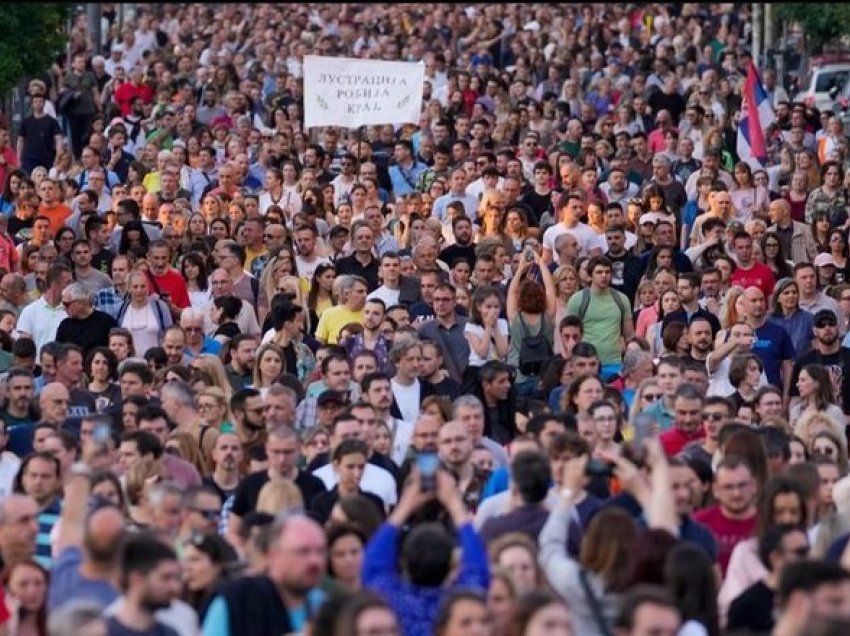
551,360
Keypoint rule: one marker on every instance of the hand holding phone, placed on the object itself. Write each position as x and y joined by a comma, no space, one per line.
428,462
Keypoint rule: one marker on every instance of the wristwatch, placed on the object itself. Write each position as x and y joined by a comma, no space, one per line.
80,468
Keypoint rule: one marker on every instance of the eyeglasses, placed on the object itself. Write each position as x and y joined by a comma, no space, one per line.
827,450
193,329
714,417
208,515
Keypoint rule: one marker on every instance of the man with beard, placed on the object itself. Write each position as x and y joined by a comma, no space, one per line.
227,456
247,407
281,601
688,287
827,351
463,247
239,370
625,266
371,339
87,545
150,572
700,339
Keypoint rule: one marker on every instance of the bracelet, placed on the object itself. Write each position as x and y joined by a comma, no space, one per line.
80,468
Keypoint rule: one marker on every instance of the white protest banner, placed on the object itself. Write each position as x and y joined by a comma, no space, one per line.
350,92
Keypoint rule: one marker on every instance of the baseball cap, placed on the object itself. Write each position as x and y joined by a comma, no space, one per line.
331,397
822,260
824,317
652,217
337,230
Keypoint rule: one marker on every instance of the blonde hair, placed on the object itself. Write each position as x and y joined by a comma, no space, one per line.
214,368
138,476
279,495
810,424
189,449
219,396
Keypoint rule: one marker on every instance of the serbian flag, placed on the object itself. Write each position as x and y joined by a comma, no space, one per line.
756,116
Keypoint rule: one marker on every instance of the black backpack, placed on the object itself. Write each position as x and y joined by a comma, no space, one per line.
534,351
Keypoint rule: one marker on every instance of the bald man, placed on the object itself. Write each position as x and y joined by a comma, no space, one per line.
53,402
18,528
279,602
772,343
86,546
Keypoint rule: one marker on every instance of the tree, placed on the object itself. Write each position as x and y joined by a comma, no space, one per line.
31,35
822,23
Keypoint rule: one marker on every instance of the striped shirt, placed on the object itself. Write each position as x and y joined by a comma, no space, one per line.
46,520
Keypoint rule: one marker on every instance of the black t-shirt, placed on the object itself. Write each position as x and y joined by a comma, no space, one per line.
87,333
39,144
539,204
114,628
248,490
102,261
15,225
753,610
453,252
836,364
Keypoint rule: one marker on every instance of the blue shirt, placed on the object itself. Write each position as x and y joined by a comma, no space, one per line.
211,345
46,520
404,179
799,326
773,346
67,584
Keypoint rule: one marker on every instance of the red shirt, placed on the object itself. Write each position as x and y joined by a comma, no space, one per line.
758,275
171,283
727,532
675,439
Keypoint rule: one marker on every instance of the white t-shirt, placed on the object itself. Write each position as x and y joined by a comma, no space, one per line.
384,293
375,480
474,359
143,326
402,433
407,398
9,465
586,237
306,269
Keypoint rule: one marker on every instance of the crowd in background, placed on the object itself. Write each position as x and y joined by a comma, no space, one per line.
551,360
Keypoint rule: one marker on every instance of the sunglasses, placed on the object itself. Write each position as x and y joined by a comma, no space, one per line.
651,397
714,417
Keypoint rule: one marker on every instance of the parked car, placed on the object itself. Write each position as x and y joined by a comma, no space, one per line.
821,84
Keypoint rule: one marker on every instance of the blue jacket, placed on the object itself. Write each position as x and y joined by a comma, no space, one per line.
416,606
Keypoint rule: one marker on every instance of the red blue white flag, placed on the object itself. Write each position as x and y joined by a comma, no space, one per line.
756,117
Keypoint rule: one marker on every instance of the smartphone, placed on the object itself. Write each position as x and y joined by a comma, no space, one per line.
635,450
428,463
598,468
529,254
102,434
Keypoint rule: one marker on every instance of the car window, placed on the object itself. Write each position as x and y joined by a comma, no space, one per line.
825,81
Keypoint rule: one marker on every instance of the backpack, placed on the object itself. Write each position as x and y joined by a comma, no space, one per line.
534,351
585,303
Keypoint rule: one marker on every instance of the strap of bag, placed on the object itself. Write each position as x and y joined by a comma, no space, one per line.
448,359
595,607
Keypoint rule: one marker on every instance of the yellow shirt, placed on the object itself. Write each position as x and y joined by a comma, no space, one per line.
250,255
333,320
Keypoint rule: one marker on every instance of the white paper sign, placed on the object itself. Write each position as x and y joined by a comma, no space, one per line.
350,92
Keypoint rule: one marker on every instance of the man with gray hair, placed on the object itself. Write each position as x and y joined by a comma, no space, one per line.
192,322
469,412
179,403
13,289
85,326
637,366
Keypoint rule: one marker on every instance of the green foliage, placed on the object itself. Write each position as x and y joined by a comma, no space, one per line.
822,23
31,35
